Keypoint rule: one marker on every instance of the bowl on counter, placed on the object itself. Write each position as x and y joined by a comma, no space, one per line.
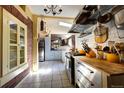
112,57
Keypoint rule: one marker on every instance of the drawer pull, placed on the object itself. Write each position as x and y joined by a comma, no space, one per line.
92,84
91,72
85,67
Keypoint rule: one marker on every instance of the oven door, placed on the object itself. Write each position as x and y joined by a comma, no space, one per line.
68,67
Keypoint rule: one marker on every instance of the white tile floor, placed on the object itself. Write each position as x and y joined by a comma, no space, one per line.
51,74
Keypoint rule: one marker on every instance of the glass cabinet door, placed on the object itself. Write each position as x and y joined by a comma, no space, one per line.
22,45
13,44
13,56
13,32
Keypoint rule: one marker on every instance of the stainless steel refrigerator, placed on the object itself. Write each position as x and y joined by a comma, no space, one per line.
41,50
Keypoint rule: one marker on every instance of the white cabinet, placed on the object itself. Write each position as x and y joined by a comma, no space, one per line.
14,43
86,76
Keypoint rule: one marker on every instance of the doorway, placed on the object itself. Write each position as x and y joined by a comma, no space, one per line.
41,50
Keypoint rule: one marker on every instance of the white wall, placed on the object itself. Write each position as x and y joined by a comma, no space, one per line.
54,27
51,55
91,41
113,36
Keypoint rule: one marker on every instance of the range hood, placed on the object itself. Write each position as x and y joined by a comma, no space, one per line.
77,28
88,16
87,31
84,14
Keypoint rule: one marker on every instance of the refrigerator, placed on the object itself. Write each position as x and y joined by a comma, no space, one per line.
41,50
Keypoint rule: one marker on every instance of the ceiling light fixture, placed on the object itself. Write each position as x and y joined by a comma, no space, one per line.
54,9
65,24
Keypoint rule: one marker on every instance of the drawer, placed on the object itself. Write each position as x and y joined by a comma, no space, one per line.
90,73
85,82
86,69
79,83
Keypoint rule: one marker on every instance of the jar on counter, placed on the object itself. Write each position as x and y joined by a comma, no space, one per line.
105,55
100,54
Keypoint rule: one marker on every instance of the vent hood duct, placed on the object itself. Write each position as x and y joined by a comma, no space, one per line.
87,31
77,28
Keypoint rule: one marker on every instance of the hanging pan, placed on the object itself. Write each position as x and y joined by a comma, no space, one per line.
101,34
105,18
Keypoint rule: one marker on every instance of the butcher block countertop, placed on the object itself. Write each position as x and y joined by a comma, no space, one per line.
108,67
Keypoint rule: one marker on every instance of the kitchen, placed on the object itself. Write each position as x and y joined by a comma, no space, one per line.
82,46
104,72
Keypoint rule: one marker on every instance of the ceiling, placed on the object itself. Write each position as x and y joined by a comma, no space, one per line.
54,27
69,12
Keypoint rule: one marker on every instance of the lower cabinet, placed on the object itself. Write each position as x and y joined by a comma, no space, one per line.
89,77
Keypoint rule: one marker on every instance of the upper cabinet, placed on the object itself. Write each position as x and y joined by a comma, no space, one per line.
14,43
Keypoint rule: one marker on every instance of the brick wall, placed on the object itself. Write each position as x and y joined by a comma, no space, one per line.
12,83
30,42
29,23
11,9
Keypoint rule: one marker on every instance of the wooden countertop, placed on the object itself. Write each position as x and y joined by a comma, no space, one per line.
108,67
